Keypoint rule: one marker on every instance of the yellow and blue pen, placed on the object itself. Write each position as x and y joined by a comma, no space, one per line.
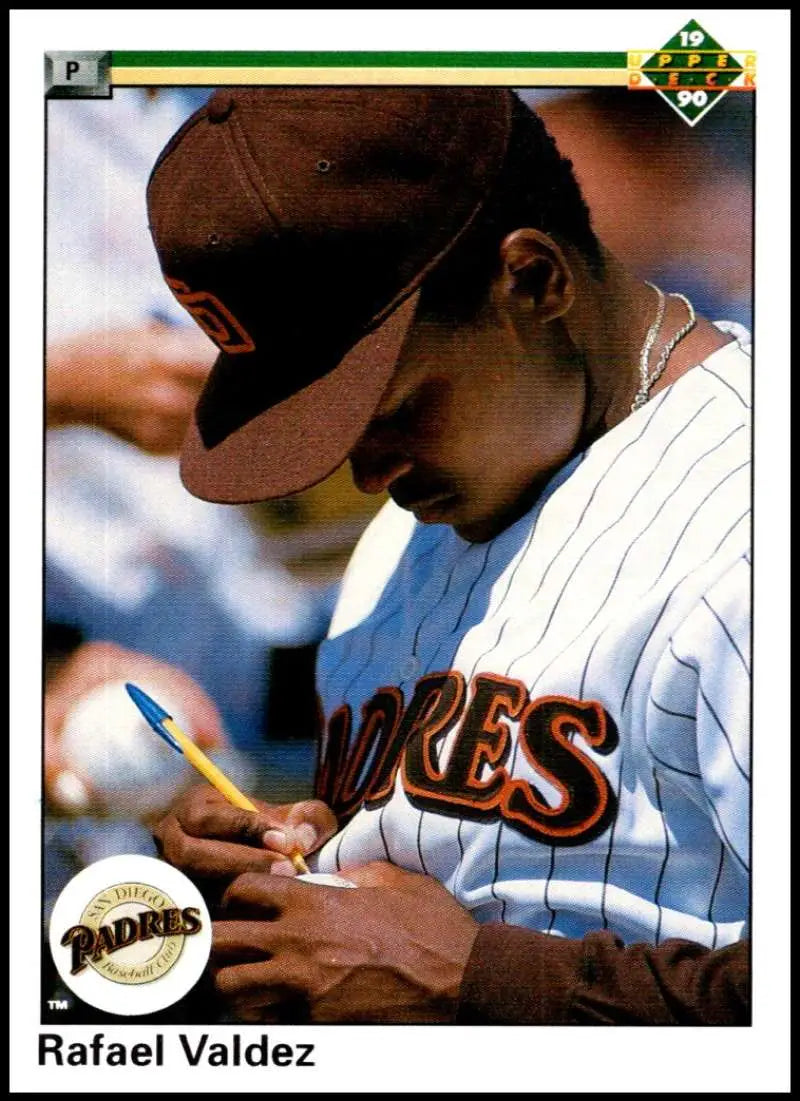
166,727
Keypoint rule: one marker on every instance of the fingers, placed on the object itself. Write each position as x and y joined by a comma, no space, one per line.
253,896
206,837
152,379
158,419
187,352
70,794
209,839
158,435
204,858
307,827
204,812
241,941
202,715
314,813
91,665
247,982
66,791
259,992
288,839
256,986
95,663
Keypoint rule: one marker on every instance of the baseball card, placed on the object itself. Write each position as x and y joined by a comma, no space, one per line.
399,551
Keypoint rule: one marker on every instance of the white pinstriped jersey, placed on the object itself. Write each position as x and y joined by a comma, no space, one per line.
556,723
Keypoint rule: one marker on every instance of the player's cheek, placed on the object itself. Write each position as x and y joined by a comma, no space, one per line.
437,424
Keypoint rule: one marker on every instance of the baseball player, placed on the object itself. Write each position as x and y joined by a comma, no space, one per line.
534,756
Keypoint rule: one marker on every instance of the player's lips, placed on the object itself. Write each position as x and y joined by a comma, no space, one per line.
429,510
427,497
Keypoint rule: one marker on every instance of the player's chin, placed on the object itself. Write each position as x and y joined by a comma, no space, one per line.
482,516
480,527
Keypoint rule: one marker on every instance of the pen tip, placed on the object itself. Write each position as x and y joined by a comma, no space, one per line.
153,712
146,704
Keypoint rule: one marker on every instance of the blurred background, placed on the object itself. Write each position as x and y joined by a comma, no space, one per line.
672,201
237,598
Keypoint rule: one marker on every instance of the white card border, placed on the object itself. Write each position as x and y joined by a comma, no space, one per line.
709,1060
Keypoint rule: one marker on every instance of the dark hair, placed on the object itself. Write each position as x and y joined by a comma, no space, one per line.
537,188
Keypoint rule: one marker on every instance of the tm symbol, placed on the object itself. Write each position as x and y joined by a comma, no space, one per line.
58,1003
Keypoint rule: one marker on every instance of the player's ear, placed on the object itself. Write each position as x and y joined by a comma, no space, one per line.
535,275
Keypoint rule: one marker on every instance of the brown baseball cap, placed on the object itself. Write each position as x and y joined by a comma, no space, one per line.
297,226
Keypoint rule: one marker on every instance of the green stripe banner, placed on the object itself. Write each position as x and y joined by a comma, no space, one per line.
129,59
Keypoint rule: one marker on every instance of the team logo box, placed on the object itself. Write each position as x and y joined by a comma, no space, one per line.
130,935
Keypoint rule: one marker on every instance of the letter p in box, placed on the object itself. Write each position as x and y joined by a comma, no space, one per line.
69,73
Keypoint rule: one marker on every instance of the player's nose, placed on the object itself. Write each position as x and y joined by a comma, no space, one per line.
378,460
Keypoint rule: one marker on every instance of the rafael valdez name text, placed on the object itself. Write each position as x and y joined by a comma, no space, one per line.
200,1050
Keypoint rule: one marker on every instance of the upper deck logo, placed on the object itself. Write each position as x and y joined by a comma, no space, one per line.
692,72
130,935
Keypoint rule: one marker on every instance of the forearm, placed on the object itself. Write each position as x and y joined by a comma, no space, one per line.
67,401
140,382
517,976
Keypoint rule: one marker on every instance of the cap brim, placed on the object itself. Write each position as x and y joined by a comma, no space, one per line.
301,440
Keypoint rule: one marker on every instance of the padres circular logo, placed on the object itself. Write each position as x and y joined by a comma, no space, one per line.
130,935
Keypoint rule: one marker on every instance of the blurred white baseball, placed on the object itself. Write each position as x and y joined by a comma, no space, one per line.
110,744
325,879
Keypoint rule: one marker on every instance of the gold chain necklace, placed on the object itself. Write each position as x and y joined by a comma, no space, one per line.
648,378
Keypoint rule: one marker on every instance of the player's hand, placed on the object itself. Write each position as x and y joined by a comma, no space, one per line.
212,841
92,665
394,950
141,383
